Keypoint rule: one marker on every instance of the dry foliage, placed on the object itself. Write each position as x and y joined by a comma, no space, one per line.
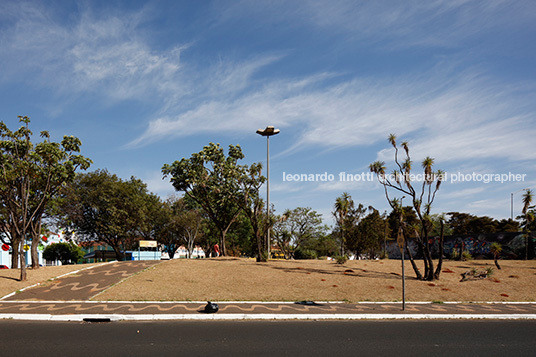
233,279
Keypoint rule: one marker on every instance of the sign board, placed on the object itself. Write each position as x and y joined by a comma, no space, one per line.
148,244
400,240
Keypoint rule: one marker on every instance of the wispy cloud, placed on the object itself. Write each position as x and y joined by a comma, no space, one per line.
106,55
398,24
447,115
449,112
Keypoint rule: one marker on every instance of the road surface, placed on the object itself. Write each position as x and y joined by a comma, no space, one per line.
270,338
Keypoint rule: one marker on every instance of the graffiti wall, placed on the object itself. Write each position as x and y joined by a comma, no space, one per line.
513,246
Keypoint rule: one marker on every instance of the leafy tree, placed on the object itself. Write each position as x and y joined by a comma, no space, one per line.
252,205
218,184
31,176
343,206
64,252
298,228
508,225
459,222
401,181
103,208
369,234
184,226
466,224
409,217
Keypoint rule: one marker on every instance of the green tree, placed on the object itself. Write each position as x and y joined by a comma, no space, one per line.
298,228
369,235
213,180
422,198
508,225
67,253
252,205
103,208
343,205
528,217
183,226
31,176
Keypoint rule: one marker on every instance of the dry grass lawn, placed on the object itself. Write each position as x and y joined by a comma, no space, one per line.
9,277
233,279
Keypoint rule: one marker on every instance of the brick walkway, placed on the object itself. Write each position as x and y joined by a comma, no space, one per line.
172,308
83,285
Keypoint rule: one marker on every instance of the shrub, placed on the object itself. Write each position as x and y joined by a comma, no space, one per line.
466,255
305,254
340,259
64,252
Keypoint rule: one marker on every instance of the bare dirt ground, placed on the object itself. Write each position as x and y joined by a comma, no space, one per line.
9,277
233,279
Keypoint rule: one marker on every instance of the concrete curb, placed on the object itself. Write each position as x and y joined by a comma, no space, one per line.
238,317
263,302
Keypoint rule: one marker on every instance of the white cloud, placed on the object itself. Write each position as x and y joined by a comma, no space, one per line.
106,55
413,23
445,113
158,185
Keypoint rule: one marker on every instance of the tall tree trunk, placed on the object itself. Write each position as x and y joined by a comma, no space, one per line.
441,251
34,255
412,261
22,259
527,246
222,243
36,239
14,254
262,255
495,260
119,255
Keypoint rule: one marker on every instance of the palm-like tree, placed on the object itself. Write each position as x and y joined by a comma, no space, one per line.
496,250
343,205
527,200
529,217
427,164
421,199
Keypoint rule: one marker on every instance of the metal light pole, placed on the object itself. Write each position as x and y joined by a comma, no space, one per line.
512,202
401,243
269,131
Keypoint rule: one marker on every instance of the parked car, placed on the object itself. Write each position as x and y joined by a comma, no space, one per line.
4,267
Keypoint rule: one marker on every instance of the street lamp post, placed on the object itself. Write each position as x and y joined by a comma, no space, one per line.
512,202
269,131
401,243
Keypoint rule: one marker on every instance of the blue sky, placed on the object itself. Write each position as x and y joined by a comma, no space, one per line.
144,83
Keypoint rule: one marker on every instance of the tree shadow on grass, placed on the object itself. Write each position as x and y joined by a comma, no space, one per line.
9,278
363,273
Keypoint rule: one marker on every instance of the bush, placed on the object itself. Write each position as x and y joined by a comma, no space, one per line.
64,252
466,255
305,254
340,259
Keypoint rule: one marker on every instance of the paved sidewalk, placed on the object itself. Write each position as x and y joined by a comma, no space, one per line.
84,284
259,308
67,298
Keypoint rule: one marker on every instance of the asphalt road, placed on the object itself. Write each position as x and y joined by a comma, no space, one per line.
291,338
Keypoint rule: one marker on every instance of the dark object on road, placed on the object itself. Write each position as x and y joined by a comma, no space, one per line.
4,267
308,303
211,308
